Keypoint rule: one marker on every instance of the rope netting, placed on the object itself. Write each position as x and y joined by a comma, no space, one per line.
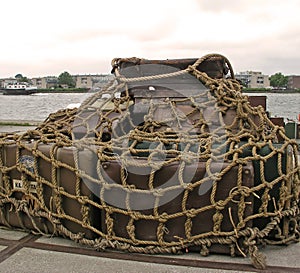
149,166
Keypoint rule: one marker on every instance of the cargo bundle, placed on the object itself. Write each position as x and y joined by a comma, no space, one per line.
169,157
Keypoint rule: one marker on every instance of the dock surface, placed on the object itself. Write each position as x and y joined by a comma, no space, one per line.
24,252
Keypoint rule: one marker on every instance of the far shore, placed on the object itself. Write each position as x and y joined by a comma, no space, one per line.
24,123
91,90
281,91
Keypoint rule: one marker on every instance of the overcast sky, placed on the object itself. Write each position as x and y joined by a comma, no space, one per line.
40,38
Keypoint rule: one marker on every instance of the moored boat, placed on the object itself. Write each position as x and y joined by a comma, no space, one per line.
19,89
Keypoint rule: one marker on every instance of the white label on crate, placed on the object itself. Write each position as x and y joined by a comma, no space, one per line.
19,184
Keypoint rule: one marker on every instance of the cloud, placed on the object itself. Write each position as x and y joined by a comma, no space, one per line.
85,36
220,5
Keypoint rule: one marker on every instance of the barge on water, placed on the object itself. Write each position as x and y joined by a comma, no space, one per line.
20,88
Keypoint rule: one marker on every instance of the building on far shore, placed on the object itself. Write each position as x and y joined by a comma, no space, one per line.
92,81
250,79
6,81
253,79
45,82
49,82
293,82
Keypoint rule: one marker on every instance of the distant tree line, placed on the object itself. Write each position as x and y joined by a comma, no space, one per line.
64,80
278,80
21,78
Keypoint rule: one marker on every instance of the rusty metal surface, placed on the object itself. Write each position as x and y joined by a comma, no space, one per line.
14,246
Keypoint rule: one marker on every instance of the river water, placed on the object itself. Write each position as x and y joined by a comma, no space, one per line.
282,105
37,107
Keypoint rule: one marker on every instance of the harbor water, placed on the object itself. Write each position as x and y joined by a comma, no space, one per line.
38,106
282,105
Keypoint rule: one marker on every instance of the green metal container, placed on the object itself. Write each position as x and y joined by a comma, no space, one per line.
291,129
